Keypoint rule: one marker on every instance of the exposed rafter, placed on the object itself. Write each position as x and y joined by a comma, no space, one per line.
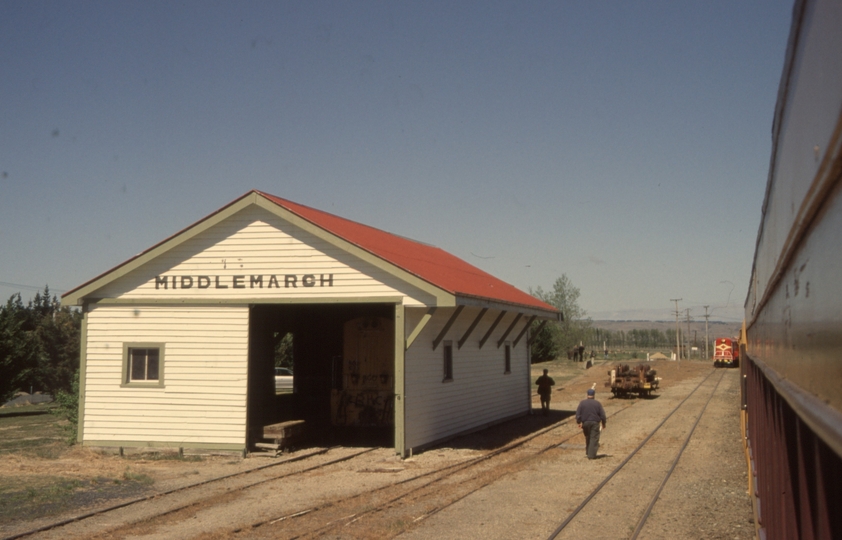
491,329
447,326
536,332
525,328
508,330
471,328
420,326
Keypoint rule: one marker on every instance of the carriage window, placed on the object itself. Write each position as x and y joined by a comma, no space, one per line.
448,361
143,364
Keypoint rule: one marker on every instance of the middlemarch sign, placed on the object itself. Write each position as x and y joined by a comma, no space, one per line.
259,281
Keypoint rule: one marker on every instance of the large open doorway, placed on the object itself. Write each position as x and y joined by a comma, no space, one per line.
341,357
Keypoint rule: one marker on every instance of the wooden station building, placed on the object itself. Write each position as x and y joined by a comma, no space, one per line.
393,340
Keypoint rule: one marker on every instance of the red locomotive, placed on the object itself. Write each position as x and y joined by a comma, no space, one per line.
726,352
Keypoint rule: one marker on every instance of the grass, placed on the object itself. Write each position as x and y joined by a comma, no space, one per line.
31,432
140,478
161,456
34,497
25,498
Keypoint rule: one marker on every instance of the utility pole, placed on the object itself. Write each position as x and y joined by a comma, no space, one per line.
687,337
677,341
706,333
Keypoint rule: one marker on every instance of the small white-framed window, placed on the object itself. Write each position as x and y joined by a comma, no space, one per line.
448,361
143,364
507,358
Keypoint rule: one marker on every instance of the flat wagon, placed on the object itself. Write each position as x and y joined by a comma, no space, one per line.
626,380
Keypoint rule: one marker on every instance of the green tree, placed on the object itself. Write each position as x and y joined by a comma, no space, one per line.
658,338
18,354
67,408
600,337
39,345
558,337
544,345
284,350
57,333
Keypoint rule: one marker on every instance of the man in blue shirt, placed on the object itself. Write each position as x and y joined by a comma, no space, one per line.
589,415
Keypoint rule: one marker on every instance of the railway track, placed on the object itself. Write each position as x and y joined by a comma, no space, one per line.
652,501
177,503
370,514
241,480
501,470
365,512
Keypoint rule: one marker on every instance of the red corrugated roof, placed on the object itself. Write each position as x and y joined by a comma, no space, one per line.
429,263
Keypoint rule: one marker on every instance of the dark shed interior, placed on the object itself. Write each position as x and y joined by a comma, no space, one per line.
334,347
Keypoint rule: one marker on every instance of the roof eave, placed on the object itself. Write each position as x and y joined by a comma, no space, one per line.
77,296
443,297
478,301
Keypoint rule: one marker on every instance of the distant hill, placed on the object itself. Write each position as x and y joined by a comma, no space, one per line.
697,328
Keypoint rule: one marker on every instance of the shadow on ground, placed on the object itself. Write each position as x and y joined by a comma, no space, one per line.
506,432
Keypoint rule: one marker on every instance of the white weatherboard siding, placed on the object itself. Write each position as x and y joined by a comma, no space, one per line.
205,361
480,392
256,242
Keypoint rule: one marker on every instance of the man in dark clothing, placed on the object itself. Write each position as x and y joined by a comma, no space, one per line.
545,384
589,414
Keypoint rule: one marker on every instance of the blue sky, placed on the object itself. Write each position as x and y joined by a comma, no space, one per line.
625,144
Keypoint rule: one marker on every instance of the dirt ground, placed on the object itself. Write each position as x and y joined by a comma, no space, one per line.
706,498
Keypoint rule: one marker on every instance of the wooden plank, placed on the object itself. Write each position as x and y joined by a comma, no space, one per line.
267,446
284,430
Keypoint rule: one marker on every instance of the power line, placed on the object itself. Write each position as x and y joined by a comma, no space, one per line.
28,287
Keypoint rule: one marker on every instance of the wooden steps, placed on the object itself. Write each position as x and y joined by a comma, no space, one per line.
274,438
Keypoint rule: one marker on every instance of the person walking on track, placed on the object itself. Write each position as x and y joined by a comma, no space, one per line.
545,389
589,415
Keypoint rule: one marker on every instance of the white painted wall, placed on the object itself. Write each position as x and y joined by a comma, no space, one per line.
257,242
203,401
480,393
205,366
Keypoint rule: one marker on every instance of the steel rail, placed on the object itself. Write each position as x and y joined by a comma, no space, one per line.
623,463
457,466
100,511
526,458
450,470
669,472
